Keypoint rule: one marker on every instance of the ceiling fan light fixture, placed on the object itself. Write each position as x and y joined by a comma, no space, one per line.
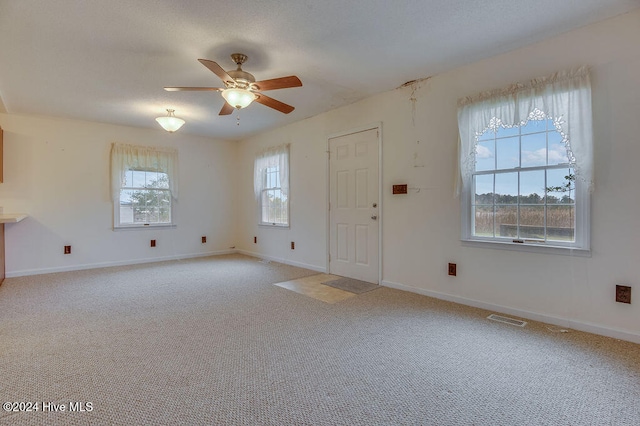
238,98
170,122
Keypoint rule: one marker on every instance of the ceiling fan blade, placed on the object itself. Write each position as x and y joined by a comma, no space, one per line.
182,89
217,70
278,83
272,103
226,109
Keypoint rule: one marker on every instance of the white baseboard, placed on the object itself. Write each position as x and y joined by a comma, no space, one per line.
534,316
285,261
40,271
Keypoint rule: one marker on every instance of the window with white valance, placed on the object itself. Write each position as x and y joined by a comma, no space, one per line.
526,162
271,185
144,185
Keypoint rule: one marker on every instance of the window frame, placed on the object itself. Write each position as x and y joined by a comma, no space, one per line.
564,98
141,225
275,157
579,246
127,158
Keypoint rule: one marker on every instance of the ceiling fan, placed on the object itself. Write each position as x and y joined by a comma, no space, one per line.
241,88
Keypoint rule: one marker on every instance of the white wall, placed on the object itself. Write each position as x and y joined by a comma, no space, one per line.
57,171
421,230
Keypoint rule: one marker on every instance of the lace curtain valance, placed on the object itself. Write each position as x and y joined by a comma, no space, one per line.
272,157
564,97
133,157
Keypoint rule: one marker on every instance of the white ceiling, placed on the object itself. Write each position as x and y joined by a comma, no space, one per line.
108,61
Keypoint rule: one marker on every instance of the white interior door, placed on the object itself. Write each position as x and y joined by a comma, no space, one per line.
354,205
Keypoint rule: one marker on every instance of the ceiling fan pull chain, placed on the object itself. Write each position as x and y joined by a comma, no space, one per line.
238,119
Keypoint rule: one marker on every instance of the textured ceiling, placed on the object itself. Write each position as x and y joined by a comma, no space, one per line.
108,61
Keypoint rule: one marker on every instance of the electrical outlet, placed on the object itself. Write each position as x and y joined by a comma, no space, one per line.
204,239
452,269
67,249
153,243
293,245
623,294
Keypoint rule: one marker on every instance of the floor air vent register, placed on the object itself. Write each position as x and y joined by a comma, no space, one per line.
507,320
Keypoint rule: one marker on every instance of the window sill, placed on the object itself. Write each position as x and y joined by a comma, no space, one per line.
528,247
139,227
275,226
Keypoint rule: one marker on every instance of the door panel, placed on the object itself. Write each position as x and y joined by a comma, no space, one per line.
353,196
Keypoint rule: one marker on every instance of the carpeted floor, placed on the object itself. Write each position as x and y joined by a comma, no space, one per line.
211,341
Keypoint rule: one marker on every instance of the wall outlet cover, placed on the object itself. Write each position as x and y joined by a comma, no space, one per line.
400,189
623,294
452,269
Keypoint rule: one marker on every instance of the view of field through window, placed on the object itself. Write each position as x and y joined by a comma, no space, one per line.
524,184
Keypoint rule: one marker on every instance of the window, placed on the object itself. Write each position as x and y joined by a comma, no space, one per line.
271,186
143,185
526,163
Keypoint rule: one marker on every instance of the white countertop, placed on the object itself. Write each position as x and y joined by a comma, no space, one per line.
12,217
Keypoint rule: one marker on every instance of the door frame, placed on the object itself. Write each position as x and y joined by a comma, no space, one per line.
377,126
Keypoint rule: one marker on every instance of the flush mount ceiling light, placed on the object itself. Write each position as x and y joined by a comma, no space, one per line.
170,122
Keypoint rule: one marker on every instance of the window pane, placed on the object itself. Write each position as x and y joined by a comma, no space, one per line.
145,206
532,187
506,188
483,221
150,178
508,153
488,135
165,214
276,178
507,131
128,178
484,189
138,179
126,207
557,150
561,223
560,186
532,222
485,156
534,126
534,150
269,179
265,206
162,180
507,221
125,196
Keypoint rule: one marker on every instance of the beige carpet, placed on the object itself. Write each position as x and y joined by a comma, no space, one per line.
211,341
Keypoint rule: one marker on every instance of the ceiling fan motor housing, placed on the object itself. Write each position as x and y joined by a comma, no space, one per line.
242,78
